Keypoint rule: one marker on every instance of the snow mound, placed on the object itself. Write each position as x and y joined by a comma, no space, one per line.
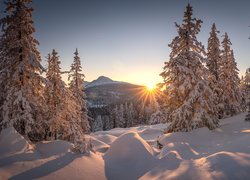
12,142
151,133
117,131
50,148
106,138
98,145
129,157
229,165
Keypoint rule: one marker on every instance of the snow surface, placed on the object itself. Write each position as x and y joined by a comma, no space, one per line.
131,153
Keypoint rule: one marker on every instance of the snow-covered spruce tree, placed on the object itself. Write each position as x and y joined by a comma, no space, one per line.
21,74
54,94
76,78
213,64
73,130
189,99
229,79
120,118
214,53
2,85
130,114
247,92
64,110
114,115
98,123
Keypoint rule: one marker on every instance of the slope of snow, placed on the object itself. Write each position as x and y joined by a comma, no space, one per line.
129,157
46,160
106,138
220,154
129,153
12,142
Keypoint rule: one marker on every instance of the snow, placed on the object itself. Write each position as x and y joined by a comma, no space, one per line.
12,143
130,153
48,160
129,157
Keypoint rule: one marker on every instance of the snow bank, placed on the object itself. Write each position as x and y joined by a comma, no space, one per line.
98,145
48,160
227,165
202,154
223,153
129,157
51,148
71,166
106,138
11,142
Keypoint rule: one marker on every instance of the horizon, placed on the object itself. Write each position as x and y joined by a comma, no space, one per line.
128,40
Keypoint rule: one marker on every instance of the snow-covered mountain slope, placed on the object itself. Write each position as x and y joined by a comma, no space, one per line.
102,80
132,153
116,92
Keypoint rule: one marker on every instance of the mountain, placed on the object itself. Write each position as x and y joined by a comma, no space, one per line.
105,91
102,80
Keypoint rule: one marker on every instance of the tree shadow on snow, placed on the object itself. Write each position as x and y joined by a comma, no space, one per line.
36,154
48,167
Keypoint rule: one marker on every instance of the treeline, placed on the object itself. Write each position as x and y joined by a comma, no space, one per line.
122,115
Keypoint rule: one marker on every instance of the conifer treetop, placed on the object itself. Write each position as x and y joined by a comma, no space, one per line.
214,52
186,40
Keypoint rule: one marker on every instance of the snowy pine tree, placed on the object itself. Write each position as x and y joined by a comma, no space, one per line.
129,114
73,127
213,64
120,118
230,96
76,78
213,53
247,92
64,109
20,77
54,96
189,99
114,116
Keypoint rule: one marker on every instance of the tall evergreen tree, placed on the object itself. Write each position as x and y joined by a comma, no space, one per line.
189,99
213,53
247,92
213,64
76,78
54,95
120,119
230,97
64,110
114,115
21,75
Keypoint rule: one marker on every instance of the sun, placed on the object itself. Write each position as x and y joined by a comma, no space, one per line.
150,87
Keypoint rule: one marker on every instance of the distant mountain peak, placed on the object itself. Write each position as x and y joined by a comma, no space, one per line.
102,80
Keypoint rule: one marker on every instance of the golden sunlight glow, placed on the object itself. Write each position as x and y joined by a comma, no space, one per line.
150,86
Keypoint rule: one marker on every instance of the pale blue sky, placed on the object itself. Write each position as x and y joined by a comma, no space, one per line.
128,40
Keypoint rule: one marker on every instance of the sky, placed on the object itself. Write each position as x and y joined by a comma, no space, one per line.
127,40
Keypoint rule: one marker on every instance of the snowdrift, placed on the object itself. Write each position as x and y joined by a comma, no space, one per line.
129,153
106,138
202,154
129,157
45,160
11,142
